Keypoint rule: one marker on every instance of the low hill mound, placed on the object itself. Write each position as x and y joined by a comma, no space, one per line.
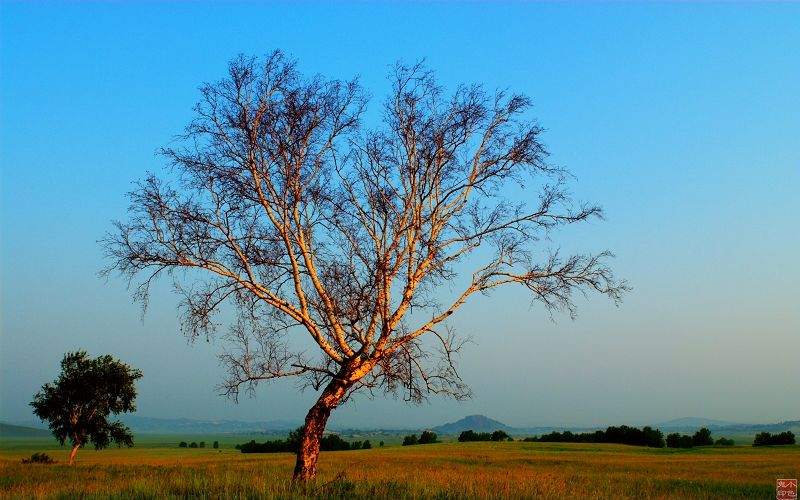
18,431
477,423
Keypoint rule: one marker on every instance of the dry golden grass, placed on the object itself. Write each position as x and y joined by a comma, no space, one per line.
447,470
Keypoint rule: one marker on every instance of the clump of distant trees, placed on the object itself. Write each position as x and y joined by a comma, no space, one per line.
623,434
276,446
767,439
471,435
700,438
193,444
427,437
331,442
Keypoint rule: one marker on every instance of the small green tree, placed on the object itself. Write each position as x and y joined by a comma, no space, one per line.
410,440
724,442
367,445
676,440
78,403
182,444
334,442
427,437
202,444
499,435
216,445
653,438
193,445
702,438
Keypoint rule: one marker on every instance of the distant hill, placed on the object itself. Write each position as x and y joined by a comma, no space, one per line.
691,424
477,423
18,431
694,423
198,426
793,425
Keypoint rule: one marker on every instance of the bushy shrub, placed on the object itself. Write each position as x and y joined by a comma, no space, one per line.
293,440
676,440
38,458
767,439
428,437
193,445
470,435
499,435
724,442
702,437
367,445
410,440
215,445
332,442
183,444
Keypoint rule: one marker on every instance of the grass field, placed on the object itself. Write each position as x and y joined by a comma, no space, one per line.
156,469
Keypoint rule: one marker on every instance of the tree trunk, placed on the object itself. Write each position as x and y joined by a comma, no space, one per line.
72,453
305,468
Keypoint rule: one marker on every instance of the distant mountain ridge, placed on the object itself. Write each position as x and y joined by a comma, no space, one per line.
19,431
695,422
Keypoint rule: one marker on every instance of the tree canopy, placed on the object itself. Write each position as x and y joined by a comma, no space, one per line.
284,206
87,391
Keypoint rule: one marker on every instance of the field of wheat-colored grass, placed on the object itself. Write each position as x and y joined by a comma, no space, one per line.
439,471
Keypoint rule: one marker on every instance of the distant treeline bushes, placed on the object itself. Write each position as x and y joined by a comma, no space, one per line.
767,439
700,438
471,435
623,434
184,444
647,436
427,437
331,442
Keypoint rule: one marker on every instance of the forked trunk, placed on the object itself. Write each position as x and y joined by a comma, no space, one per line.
311,437
72,454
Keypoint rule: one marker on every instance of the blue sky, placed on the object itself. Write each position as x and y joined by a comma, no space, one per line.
681,120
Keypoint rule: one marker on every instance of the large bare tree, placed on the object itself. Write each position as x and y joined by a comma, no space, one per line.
282,208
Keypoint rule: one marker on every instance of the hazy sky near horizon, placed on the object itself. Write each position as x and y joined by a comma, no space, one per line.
681,120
